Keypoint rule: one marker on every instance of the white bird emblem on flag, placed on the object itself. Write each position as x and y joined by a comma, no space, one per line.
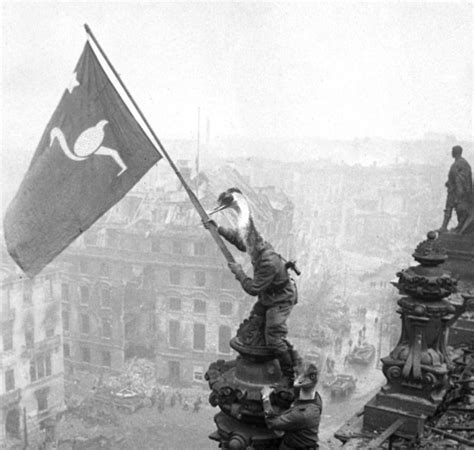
73,83
87,144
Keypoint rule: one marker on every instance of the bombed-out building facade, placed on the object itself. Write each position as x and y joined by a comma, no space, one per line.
148,281
31,356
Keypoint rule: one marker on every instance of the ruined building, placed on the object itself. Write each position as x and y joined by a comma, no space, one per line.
148,281
31,354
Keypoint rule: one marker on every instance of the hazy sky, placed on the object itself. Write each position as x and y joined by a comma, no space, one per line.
338,70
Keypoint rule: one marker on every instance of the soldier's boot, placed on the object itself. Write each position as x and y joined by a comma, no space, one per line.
447,217
286,365
462,216
297,360
298,365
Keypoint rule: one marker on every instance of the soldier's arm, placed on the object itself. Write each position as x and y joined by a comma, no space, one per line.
462,179
294,419
264,274
233,237
267,407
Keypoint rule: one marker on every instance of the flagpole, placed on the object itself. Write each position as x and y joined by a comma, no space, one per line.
198,138
196,162
194,200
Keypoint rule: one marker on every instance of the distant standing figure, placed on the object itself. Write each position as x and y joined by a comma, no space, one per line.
153,396
330,364
173,400
197,405
338,344
161,402
459,187
185,405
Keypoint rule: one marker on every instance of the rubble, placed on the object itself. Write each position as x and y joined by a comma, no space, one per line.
139,377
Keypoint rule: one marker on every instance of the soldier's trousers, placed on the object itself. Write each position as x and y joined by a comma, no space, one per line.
276,329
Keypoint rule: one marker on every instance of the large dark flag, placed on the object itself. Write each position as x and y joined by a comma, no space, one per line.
91,154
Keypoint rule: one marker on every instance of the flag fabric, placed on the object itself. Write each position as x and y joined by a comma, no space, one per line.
91,154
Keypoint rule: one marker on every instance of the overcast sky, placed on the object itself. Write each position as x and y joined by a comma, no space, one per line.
337,70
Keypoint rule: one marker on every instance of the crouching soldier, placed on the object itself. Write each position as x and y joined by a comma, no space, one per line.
300,423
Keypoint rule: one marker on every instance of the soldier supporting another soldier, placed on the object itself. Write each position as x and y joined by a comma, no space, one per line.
300,423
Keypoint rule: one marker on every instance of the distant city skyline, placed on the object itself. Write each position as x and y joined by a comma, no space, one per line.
261,70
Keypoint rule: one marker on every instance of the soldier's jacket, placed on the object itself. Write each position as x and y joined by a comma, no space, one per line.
270,282
300,423
459,182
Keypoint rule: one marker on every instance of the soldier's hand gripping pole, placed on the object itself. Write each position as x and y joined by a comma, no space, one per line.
291,265
212,227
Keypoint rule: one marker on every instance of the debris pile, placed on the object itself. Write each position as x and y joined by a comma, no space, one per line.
74,433
93,412
139,377
454,427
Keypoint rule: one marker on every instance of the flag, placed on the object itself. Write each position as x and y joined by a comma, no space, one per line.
91,154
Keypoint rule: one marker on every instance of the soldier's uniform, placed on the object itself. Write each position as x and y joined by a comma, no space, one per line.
459,187
275,289
300,423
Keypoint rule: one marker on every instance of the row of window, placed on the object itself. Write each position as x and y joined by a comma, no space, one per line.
105,292
106,356
103,271
199,336
84,297
85,328
200,306
7,334
177,247
40,367
175,278
41,394
180,248
9,380
85,325
27,286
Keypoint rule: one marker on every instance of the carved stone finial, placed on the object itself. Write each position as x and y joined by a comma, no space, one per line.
430,252
428,281
419,364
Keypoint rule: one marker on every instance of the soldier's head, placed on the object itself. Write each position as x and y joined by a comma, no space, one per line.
229,199
307,378
456,152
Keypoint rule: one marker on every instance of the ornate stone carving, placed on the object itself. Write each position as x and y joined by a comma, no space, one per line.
236,387
251,331
236,384
420,361
418,368
427,281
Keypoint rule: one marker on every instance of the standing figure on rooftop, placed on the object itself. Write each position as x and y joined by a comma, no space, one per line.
459,187
271,282
197,405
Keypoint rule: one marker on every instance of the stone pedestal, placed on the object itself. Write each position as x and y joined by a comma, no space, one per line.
460,262
417,368
236,387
